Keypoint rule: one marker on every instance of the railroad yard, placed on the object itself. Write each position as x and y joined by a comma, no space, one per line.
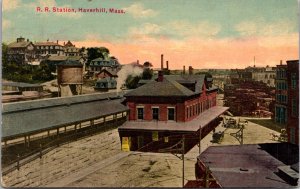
99,161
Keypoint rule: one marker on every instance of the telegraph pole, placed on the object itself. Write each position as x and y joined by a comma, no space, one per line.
200,139
182,160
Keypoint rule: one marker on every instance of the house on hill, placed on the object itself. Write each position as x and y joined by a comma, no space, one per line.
21,51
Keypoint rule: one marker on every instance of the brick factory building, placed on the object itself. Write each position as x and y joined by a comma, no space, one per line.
293,101
287,98
165,109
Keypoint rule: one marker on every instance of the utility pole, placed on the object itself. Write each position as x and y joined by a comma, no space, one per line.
182,160
200,133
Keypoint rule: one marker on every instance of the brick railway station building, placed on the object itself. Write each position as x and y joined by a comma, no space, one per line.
163,110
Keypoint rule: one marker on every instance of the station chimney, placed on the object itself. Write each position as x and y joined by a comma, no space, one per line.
167,65
183,70
162,61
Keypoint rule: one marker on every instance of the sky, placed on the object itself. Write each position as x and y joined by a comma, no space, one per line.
198,33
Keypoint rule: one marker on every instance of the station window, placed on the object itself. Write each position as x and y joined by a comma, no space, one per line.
294,81
171,113
155,113
294,107
140,112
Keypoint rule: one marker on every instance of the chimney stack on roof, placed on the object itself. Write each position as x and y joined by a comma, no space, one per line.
160,76
183,70
162,61
190,70
280,62
138,62
167,65
57,41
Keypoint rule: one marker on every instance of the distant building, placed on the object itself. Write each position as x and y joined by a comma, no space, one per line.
22,51
105,84
71,50
18,91
281,95
107,72
164,109
293,101
98,64
263,74
46,49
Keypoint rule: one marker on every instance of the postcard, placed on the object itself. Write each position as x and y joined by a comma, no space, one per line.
162,93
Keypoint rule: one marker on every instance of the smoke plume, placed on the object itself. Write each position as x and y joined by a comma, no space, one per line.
126,70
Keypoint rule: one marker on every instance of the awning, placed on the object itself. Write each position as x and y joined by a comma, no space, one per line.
191,126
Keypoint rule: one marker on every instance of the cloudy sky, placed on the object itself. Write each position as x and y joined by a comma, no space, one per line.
200,33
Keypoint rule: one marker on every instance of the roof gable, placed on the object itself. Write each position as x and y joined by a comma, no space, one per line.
164,88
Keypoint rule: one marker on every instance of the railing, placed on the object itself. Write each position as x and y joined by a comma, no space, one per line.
62,138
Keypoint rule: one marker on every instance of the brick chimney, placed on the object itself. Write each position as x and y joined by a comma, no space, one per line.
183,72
280,62
57,41
160,76
190,70
167,65
137,62
162,61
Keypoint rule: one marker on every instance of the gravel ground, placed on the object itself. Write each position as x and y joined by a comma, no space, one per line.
98,161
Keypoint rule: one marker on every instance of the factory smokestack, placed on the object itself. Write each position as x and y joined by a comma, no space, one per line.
138,62
280,62
183,70
162,61
167,65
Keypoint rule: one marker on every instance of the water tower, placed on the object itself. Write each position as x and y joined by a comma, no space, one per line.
69,78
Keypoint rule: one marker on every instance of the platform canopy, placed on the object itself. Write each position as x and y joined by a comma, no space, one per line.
192,126
35,116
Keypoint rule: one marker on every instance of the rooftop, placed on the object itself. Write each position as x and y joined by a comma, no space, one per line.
21,44
47,43
172,85
39,115
251,165
20,84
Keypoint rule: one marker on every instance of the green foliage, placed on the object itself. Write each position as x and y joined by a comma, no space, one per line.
26,73
96,52
132,81
147,74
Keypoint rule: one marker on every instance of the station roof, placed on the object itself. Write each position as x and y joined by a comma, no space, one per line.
191,126
172,85
250,165
38,115
20,84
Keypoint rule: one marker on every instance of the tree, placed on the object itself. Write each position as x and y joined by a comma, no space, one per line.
147,74
132,81
93,53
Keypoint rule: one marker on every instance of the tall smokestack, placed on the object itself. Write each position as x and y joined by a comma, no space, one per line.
280,62
162,61
138,62
183,70
167,65
57,41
